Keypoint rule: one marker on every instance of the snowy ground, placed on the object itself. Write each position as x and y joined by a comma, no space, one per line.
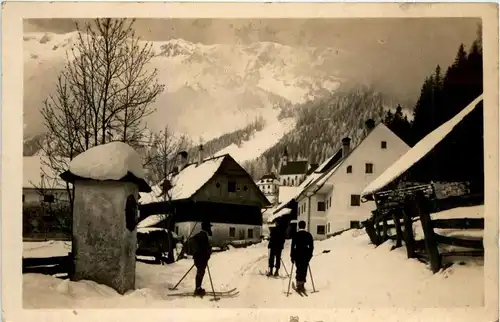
352,274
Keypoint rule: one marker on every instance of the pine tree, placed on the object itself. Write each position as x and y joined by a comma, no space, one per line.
459,157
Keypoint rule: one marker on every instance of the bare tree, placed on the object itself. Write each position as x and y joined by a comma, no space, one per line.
103,93
160,161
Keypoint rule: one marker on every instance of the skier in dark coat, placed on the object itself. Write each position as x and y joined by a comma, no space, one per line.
201,251
301,253
275,246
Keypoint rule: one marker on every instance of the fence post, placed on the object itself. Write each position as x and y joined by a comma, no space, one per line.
408,231
370,230
378,228
397,224
429,235
385,228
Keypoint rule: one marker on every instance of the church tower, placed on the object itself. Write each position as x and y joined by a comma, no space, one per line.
284,158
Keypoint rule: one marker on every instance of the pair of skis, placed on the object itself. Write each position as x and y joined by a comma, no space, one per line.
300,292
215,295
272,276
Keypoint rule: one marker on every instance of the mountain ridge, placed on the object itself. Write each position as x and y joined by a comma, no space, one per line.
234,83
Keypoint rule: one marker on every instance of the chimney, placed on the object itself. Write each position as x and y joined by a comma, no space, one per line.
183,161
200,154
346,146
370,125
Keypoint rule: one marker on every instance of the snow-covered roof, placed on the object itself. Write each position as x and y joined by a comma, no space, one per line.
325,177
111,161
421,149
37,173
187,182
151,229
281,213
151,221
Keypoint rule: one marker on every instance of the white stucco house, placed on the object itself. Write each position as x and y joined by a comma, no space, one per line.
269,185
329,199
41,183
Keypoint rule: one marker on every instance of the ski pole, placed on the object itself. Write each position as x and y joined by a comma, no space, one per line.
312,280
289,281
283,263
211,283
173,288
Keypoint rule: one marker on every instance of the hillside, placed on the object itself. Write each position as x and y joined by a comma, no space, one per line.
321,125
312,130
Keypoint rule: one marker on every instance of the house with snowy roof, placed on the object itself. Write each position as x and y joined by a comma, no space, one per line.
269,185
292,173
41,183
216,189
329,200
389,180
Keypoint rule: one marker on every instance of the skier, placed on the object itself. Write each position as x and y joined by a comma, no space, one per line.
201,251
301,253
275,246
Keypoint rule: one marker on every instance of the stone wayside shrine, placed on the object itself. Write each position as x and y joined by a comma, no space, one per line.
107,180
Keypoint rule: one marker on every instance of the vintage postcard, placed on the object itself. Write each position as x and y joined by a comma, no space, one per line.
290,162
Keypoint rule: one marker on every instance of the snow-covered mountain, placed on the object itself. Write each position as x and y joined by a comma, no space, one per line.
210,89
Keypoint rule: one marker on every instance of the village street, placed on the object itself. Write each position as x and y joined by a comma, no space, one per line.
351,273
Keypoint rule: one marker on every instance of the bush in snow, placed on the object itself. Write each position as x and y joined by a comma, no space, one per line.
52,221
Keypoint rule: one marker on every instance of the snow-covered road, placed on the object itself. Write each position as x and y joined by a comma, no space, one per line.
352,274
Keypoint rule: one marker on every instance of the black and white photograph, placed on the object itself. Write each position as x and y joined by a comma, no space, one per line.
254,163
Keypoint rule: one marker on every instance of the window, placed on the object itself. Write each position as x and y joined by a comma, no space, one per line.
241,234
355,224
250,233
320,229
328,227
232,232
293,182
231,186
369,167
23,198
321,206
245,187
48,198
383,145
217,185
355,200
349,169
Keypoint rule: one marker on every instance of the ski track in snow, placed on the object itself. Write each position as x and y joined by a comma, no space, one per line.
352,274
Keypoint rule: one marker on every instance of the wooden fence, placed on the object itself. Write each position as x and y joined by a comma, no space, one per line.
49,265
394,220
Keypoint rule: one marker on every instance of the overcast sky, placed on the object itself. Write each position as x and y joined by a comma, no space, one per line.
316,32
397,52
